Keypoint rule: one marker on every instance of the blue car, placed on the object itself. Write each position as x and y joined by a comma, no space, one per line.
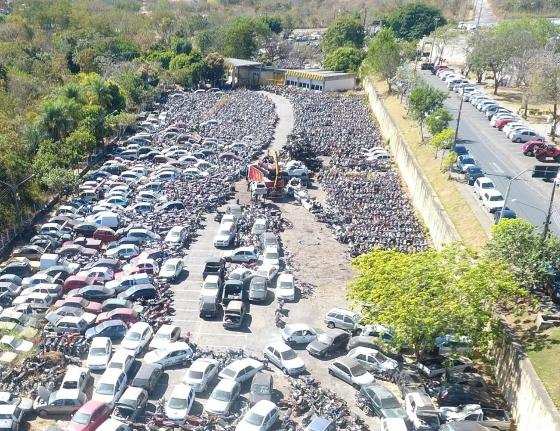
464,160
114,329
141,291
460,150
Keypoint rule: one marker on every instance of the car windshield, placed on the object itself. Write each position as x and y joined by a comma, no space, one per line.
98,351
117,365
431,420
254,419
196,374
324,338
70,384
5,416
133,336
487,185
261,389
177,403
390,403
106,389
288,354
271,255
81,418
228,372
221,395
496,198
285,285
357,371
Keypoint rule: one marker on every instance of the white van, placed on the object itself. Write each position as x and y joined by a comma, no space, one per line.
105,219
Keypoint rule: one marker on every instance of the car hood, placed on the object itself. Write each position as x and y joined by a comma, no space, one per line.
364,379
103,398
166,272
294,364
153,357
175,414
317,347
221,237
130,345
399,412
255,398
216,406
98,360
157,344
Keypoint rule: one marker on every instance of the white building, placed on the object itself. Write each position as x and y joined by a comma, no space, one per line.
322,80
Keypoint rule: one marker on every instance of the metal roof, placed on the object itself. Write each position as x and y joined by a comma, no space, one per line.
318,74
239,62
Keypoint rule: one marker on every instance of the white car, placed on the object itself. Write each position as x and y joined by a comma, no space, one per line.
267,271
350,371
259,226
223,397
492,200
179,403
177,353
123,251
171,269
121,360
241,370
512,127
210,286
261,417
285,287
284,357
225,234
113,424
298,333
241,255
201,373
137,337
481,185
271,256
110,386
99,353
373,360
526,135
176,235
165,334
76,378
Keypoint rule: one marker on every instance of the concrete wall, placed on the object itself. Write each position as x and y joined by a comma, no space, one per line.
425,200
531,406
340,84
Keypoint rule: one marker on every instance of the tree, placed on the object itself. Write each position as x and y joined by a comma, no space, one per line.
544,80
427,294
241,38
423,100
383,56
274,23
180,45
215,69
442,140
414,21
441,37
518,243
438,120
346,30
345,59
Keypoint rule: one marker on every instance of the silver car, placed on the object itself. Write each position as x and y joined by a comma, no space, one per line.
223,397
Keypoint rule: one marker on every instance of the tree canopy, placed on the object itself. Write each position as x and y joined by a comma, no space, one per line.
346,30
240,39
428,294
413,21
423,100
384,56
345,59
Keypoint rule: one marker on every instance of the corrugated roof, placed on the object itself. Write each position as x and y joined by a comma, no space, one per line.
318,73
239,62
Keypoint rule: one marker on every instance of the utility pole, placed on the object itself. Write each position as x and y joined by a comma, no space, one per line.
457,124
479,14
511,180
549,212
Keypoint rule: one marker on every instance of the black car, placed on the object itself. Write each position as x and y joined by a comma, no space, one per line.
85,229
148,377
261,387
472,173
114,329
383,402
329,342
19,267
141,291
505,213
410,381
458,394
214,266
59,272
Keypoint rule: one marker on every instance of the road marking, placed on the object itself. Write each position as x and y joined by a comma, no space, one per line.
497,168
184,321
186,300
229,334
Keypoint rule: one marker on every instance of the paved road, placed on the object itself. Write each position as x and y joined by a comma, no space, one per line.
500,158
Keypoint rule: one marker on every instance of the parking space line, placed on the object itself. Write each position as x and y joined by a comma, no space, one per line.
228,334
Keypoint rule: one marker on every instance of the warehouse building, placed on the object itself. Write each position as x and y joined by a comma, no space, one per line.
251,74
322,80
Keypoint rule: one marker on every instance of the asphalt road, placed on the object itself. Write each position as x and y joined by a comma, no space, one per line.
500,158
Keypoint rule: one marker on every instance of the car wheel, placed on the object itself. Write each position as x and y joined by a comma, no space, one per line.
517,141
330,372
330,325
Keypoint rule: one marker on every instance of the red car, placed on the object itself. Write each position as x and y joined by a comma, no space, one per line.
79,302
74,282
530,148
127,315
89,416
105,234
502,122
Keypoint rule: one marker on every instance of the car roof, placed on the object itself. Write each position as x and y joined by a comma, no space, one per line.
242,363
345,360
74,372
121,354
285,276
139,326
227,384
99,341
92,406
262,379
493,192
110,374
263,407
181,390
201,364
318,423
132,392
166,329
292,327
280,346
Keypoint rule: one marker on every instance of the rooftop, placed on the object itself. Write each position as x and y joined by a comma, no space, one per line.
239,62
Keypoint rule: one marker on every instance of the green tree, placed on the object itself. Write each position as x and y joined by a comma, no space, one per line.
345,59
414,20
442,140
215,69
431,293
181,45
241,38
274,23
383,56
346,30
423,100
438,120
518,243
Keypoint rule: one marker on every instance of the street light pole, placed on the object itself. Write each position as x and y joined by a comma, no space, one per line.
511,180
549,212
457,124
479,14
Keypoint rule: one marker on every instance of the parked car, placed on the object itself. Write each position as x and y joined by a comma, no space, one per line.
99,353
88,417
504,213
351,371
285,287
113,329
383,402
421,411
179,403
223,397
176,353
165,335
58,403
132,403
241,255
147,377
141,291
481,185
171,269
241,370
464,161
524,136
284,357
298,333
492,200
137,337
343,319
201,373
328,343
472,173
110,386
127,315
373,360
121,360
261,388
261,417
177,235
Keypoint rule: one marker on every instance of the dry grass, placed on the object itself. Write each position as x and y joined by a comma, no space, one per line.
469,228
